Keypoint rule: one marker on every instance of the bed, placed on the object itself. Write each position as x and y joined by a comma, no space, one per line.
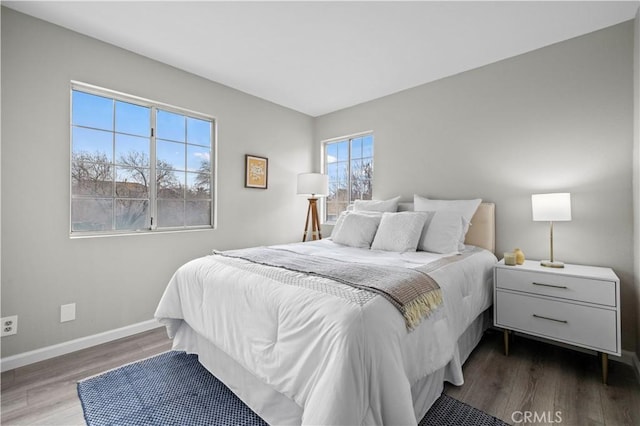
302,348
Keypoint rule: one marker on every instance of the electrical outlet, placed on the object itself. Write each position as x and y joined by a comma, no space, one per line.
9,325
67,312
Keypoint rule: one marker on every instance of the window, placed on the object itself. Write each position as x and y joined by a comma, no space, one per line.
348,162
137,165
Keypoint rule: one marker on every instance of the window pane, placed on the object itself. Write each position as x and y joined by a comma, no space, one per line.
198,131
170,184
198,213
92,111
367,189
132,182
342,192
360,189
342,172
331,153
91,214
333,191
355,190
170,155
198,159
91,179
343,150
198,185
332,171
96,143
133,119
170,213
361,169
367,146
170,126
132,214
356,168
132,151
332,211
356,148
366,172
337,192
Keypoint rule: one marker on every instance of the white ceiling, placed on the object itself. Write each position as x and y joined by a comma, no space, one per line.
318,57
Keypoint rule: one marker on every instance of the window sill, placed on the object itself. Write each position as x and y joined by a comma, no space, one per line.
85,235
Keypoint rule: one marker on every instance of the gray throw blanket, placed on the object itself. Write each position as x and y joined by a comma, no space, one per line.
412,291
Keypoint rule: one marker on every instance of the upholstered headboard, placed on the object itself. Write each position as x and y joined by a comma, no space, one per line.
482,232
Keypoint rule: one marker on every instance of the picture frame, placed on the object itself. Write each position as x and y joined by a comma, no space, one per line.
256,171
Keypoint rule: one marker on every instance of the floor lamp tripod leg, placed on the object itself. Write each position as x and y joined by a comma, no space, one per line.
316,222
306,224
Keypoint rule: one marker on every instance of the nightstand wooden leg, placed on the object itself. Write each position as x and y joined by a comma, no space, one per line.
605,367
506,342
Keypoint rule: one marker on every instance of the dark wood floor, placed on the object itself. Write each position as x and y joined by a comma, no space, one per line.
546,379
45,393
536,377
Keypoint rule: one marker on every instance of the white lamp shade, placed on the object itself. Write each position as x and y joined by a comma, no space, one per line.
551,207
314,184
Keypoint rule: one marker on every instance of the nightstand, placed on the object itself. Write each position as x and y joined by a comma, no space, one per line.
578,305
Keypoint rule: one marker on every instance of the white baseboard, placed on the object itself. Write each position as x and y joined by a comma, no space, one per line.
26,358
629,358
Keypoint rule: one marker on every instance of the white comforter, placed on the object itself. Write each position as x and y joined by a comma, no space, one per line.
342,362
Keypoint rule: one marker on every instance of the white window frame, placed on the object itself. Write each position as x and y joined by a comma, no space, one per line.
154,106
323,163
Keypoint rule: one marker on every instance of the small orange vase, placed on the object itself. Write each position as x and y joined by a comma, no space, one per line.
519,256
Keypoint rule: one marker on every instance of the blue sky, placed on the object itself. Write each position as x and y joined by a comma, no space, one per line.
98,122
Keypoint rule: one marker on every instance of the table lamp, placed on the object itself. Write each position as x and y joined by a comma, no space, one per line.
313,185
552,208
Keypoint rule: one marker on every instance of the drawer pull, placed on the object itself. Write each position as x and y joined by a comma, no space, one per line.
551,319
550,285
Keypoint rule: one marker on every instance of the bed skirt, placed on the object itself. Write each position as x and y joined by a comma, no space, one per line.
276,408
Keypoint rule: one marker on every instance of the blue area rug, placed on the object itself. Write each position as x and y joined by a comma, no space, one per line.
174,389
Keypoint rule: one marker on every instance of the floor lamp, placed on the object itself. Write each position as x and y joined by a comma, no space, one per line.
313,185
551,208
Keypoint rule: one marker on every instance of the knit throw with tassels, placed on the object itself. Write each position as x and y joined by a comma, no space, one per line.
411,290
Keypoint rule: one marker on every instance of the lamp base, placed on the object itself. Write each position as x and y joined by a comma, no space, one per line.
312,212
552,264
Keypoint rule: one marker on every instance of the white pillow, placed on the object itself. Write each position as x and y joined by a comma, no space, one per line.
342,215
399,232
442,233
338,224
466,208
390,205
357,230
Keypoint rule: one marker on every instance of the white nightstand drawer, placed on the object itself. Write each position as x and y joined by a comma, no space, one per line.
575,324
582,289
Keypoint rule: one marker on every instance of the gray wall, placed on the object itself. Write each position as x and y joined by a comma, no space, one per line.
117,281
556,119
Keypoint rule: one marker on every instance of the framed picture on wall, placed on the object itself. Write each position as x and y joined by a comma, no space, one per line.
255,172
